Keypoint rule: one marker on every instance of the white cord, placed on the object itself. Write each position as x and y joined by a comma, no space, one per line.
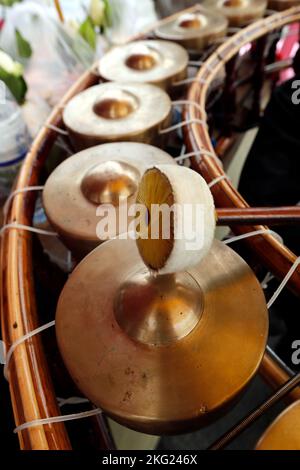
21,226
62,145
15,225
270,12
196,63
288,275
284,282
268,277
62,402
71,401
221,40
69,261
248,235
207,66
189,80
233,29
19,191
183,149
20,341
217,180
199,153
191,103
57,419
179,125
56,129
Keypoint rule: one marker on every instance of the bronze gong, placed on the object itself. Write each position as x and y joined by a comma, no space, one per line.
112,112
194,30
239,12
284,433
162,354
158,62
105,174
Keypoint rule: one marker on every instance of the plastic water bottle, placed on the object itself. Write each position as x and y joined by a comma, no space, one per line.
14,138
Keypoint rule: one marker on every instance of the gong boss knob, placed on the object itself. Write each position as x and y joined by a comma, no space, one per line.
160,63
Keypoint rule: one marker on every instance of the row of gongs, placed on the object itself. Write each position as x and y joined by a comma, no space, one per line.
137,345
127,107
111,300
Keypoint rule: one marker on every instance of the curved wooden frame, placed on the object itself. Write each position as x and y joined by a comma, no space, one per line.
272,253
276,257
31,389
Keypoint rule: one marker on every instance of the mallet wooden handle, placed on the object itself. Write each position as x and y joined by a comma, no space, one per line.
259,215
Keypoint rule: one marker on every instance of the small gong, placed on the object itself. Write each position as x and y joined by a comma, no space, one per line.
166,353
195,30
239,12
95,177
158,62
284,432
112,112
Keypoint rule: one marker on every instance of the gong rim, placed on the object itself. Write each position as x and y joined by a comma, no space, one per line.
284,432
169,388
171,62
144,108
72,214
248,11
213,25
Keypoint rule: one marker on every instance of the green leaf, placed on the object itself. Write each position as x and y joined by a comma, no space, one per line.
88,33
9,3
107,15
24,48
16,85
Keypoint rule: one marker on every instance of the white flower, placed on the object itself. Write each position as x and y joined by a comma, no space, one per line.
73,25
97,11
10,66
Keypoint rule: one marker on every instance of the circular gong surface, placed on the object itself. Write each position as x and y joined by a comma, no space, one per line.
284,433
117,111
194,30
105,174
165,358
239,12
156,62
